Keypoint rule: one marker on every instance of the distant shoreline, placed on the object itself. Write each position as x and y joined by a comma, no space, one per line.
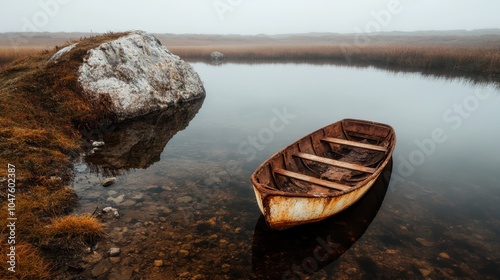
472,54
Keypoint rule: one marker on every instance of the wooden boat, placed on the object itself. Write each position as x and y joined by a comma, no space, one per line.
323,173
334,235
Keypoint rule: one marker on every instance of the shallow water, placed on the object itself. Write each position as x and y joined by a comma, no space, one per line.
190,203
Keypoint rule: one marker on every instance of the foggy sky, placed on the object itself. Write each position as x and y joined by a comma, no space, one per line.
247,16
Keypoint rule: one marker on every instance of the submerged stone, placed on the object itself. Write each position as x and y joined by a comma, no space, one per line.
184,253
184,199
101,268
113,252
116,200
98,144
108,182
444,255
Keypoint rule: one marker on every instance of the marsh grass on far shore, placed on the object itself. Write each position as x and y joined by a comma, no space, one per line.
9,54
477,60
474,55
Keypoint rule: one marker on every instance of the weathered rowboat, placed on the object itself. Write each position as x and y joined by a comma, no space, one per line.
277,254
322,173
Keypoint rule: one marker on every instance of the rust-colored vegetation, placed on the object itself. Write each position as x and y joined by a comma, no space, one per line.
73,231
31,265
42,109
8,54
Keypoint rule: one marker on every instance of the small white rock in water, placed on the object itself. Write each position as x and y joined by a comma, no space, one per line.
113,252
108,181
111,209
98,144
108,209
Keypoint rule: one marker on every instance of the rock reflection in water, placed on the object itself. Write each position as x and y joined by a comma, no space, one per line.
139,142
305,250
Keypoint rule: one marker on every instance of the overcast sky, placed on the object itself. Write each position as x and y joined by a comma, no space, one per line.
247,16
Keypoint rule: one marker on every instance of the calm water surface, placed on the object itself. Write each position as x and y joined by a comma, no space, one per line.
190,203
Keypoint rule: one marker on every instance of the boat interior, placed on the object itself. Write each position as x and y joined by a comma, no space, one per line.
334,159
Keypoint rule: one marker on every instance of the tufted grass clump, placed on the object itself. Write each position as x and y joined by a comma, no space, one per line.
73,232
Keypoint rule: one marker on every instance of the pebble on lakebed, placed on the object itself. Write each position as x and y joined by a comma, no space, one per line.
108,181
158,263
97,144
113,252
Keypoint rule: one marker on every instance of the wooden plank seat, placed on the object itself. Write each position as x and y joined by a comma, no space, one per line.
336,163
312,180
354,144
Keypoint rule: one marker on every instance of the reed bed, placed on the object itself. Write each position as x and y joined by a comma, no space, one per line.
478,60
8,54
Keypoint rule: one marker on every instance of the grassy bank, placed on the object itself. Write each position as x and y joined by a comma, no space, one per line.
42,110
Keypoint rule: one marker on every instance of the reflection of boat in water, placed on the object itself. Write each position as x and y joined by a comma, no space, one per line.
323,173
302,251
139,142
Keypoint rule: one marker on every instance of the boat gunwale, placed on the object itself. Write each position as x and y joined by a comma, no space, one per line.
268,191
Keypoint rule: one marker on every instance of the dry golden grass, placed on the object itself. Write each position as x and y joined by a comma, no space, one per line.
9,54
73,232
479,60
42,109
36,206
30,264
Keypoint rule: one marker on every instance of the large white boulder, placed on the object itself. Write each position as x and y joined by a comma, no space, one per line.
139,74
